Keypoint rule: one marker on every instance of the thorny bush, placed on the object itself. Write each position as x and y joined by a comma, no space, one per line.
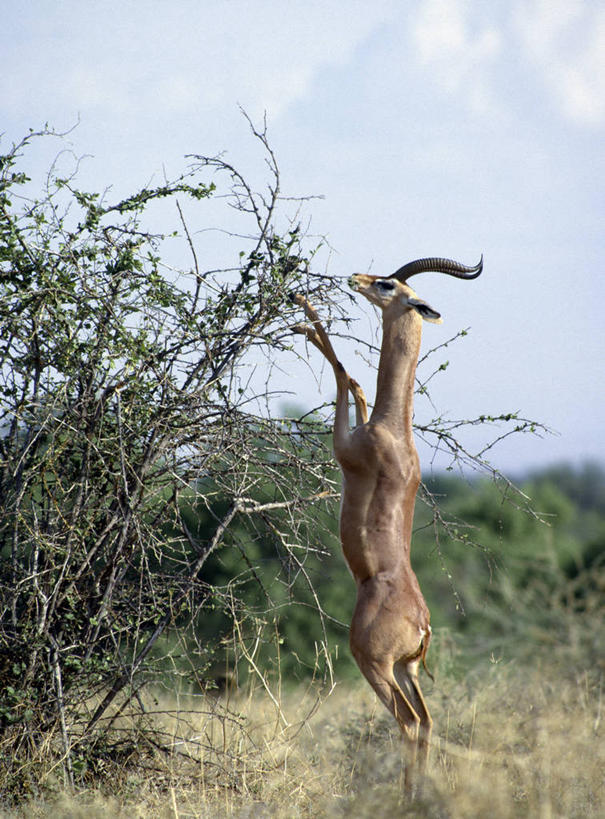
121,407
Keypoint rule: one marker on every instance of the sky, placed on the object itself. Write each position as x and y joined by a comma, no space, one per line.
429,128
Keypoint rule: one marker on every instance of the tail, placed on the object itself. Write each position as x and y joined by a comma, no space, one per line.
424,647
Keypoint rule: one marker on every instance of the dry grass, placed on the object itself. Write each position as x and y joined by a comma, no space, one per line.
510,742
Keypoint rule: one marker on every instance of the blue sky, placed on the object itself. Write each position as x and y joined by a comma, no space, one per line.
432,127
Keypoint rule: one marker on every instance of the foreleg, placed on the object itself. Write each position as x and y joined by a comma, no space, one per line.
318,336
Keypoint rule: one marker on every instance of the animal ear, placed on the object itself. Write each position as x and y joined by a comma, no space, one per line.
425,310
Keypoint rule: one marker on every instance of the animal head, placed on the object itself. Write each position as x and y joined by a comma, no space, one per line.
393,293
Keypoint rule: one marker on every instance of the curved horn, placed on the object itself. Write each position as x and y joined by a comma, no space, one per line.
448,266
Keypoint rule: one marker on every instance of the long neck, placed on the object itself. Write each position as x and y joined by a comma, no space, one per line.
394,404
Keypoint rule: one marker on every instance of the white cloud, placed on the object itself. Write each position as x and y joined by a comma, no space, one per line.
459,49
470,48
565,42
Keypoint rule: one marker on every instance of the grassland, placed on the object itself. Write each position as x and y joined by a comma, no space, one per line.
517,704
512,739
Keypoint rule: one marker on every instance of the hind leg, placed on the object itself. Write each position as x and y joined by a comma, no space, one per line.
379,636
406,674
381,678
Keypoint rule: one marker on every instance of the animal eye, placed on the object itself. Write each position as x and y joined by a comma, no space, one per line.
383,284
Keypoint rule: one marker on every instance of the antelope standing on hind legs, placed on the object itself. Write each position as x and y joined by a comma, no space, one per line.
390,630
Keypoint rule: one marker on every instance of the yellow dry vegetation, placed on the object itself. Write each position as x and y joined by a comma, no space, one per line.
509,741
